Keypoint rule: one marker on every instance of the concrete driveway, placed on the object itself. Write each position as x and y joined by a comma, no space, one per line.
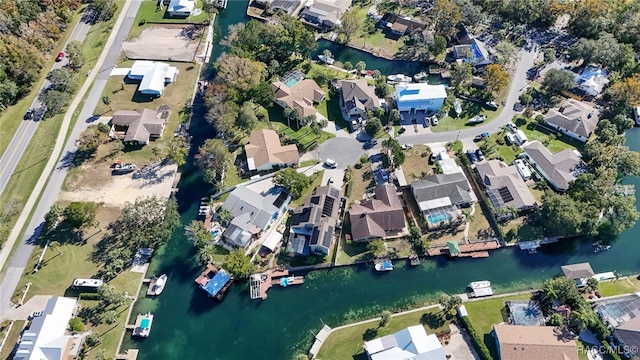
336,174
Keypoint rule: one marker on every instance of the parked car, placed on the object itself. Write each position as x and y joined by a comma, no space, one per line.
512,127
484,135
472,156
60,56
28,115
330,164
407,146
480,155
434,120
39,114
491,105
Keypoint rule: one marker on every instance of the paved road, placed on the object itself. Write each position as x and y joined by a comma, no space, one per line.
49,195
27,128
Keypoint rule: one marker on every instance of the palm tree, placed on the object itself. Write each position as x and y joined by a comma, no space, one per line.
579,320
111,317
327,54
591,285
385,318
205,254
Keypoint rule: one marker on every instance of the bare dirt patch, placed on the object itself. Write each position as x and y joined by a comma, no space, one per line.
95,184
165,42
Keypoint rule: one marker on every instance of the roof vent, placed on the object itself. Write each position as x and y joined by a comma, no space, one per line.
589,116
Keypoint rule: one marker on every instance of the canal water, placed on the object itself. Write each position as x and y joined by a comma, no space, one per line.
187,325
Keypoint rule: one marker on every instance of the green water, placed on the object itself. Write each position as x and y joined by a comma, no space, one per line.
187,325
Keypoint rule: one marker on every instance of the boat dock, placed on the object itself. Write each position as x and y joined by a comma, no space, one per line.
215,282
532,246
222,4
472,250
152,285
260,283
142,327
414,259
130,354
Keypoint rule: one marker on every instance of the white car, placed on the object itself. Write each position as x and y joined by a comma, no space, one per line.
434,120
407,146
330,163
512,127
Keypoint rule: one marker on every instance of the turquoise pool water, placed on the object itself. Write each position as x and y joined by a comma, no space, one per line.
145,323
438,218
291,82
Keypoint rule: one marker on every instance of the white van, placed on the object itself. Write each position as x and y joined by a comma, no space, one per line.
330,164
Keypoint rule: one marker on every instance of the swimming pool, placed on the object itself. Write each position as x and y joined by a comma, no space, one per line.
291,82
438,218
215,232
144,323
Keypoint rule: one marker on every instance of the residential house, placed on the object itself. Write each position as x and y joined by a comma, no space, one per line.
357,97
181,8
313,224
252,213
629,335
264,151
559,168
324,14
420,98
46,336
471,51
138,125
578,271
443,190
592,80
382,217
515,342
574,118
302,96
288,7
407,344
153,76
399,26
504,186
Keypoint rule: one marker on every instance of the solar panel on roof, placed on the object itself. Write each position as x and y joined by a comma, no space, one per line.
327,209
505,194
326,240
282,197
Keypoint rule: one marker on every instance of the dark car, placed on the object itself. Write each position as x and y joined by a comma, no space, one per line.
28,115
39,114
480,154
472,156
60,56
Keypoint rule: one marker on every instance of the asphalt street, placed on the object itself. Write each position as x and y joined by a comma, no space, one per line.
22,137
49,195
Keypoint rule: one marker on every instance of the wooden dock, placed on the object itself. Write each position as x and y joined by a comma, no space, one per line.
260,283
472,250
131,354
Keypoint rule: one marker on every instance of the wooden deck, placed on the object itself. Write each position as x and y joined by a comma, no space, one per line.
260,283
473,250
130,354
203,278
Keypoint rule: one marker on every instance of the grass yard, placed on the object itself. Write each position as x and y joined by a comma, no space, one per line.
484,314
351,251
619,287
347,342
469,109
478,224
316,180
330,108
359,183
149,12
12,338
304,137
377,43
416,163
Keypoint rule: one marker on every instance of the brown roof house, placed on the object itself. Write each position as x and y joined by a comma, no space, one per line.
629,335
357,97
302,96
139,125
264,151
504,186
399,25
558,168
381,217
515,342
574,118
313,224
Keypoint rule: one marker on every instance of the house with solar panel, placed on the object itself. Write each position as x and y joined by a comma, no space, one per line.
313,225
253,212
504,187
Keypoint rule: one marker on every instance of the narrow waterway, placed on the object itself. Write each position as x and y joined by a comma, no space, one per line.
187,325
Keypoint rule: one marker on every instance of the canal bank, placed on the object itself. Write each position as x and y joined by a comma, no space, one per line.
189,325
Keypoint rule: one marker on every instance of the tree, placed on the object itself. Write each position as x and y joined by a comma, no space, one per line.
224,215
385,317
246,120
78,214
347,65
372,126
438,45
63,79
444,300
316,129
105,8
497,79
54,245
52,218
174,150
110,296
556,320
205,254
76,324
461,75
361,66
627,91
293,181
394,116
238,264
55,100
557,81
592,284
291,114
214,159
351,23
564,216
381,89
239,72
111,317
506,53
75,55
198,234
472,14
377,248
446,15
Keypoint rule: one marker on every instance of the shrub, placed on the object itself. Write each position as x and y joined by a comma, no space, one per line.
104,128
142,22
478,342
90,296
76,324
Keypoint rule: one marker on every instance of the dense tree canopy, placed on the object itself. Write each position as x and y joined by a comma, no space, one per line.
241,73
214,159
238,264
293,181
557,80
79,213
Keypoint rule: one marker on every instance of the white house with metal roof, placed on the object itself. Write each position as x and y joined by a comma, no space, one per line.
153,76
411,343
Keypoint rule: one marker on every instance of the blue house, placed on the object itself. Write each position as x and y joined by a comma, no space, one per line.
420,98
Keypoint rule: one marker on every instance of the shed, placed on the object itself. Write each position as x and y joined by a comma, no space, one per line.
578,271
454,248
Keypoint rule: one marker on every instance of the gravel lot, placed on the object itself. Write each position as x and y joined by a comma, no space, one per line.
165,42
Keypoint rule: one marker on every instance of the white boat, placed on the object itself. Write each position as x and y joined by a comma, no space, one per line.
385,265
326,60
398,78
120,168
477,119
159,284
457,107
419,76
479,284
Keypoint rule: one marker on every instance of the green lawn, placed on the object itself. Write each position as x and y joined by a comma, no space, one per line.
347,343
149,12
12,338
619,287
316,180
484,314
304,137
469,109
378,42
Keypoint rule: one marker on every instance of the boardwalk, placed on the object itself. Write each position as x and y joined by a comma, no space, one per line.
473,250
260,283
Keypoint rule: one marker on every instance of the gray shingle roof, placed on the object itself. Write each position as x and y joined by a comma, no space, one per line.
560,166
573,115
454,186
